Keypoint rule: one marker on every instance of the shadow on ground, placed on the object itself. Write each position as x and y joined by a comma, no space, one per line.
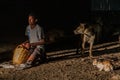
6,56
98,50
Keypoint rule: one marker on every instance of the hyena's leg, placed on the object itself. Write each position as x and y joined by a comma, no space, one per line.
90,49
78,44
83,45
101,68
91,45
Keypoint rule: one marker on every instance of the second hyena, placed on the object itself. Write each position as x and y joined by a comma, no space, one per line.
88,34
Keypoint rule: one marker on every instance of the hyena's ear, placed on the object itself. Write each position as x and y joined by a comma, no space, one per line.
82,25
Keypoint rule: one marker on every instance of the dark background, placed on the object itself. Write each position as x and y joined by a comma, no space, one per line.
51,13
65,14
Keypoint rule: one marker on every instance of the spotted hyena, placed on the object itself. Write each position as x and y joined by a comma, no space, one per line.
88,34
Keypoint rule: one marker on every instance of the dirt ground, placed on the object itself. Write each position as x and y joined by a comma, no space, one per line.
65,65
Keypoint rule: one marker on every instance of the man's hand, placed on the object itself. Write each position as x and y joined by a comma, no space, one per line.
26,45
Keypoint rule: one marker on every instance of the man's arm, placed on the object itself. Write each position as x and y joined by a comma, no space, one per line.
41,42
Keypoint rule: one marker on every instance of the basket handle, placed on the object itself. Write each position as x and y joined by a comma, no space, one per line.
19,46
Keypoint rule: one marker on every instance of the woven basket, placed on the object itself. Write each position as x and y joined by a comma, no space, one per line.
21,55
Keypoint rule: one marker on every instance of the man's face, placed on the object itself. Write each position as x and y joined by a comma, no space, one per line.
31,20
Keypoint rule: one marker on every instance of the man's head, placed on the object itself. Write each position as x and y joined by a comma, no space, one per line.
32,19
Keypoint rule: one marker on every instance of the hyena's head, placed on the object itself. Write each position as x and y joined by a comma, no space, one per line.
80,29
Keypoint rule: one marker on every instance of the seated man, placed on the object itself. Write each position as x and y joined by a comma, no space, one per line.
35,42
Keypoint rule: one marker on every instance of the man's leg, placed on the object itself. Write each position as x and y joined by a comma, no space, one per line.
33,55
42,55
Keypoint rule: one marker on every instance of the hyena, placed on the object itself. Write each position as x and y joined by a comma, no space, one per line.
101,64
88,34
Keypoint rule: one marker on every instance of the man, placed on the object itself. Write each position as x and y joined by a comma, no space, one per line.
35,42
